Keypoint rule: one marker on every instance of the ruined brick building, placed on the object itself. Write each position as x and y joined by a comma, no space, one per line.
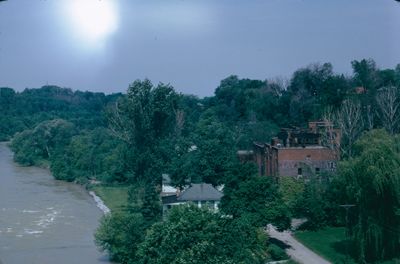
299,152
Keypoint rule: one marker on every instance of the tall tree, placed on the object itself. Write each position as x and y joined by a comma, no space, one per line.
349,119
205,157
365,73
256,199
146,119
389,108
307,88
373,185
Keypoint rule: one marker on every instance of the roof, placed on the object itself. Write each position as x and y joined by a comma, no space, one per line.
170,199
245,152
200,192
168,189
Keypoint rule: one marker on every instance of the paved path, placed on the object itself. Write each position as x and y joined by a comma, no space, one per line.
296,250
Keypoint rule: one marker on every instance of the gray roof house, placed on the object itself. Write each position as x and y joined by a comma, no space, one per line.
200,194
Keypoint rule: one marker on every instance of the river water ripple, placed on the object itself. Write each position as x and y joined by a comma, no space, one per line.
44,221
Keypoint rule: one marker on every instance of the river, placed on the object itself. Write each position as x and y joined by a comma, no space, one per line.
44,221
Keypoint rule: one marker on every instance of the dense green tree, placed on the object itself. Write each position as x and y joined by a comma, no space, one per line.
91,155
120,234
233,98
313,88
205,157
193,235
32,147
320,201
259,200
146,120
25,110
373,186
292,191
311,206
366,74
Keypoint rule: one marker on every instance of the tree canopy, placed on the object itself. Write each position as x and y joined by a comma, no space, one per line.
373,185
193,235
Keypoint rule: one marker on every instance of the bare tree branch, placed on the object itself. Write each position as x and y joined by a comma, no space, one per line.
349,119
388,102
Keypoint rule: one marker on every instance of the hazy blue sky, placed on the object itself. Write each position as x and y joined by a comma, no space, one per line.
192,44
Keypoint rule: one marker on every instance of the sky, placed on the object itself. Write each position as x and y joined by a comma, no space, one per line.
104,45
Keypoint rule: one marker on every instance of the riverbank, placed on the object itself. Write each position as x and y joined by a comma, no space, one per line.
114,197
100,203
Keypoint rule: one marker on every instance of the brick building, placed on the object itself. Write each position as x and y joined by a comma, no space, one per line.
299,152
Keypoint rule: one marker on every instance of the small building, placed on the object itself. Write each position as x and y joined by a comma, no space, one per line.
201,194
299,152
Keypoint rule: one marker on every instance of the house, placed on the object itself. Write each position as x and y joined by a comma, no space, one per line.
201,194
299,152
167,188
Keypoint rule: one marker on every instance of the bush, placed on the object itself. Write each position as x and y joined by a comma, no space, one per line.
276,253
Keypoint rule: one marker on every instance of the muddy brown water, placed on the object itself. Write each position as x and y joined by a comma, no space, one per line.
44,221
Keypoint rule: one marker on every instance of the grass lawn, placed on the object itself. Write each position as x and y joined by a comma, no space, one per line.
116,198
329,243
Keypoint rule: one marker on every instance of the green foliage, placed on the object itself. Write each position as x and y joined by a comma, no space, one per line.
277,253
373,185
365,73
207,157
151,205
193,235
146,121
89,155
292,191
92,155
27,109
188,235
320,203
312,206
120,235
32,147
257,199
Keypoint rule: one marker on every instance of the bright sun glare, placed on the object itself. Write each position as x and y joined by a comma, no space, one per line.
94,20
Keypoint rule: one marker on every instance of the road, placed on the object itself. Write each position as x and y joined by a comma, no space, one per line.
296,250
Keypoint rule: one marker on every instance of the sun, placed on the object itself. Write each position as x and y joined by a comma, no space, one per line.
93,20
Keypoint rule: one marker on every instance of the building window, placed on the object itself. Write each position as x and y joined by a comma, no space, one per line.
317,170
299,171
